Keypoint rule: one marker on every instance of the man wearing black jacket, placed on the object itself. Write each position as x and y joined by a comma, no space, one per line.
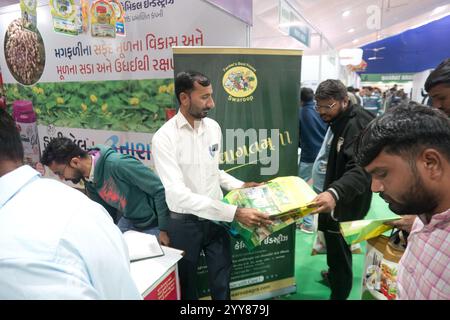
347,193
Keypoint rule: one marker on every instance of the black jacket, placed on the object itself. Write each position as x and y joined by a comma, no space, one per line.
350,181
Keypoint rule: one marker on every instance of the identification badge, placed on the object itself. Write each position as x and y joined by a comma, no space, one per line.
213,149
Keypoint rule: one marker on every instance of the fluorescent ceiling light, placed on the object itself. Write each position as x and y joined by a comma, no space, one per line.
350,56
346,13
438,10
290,24
351,30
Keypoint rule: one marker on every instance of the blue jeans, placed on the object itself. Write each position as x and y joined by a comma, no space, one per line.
125,224
305,172
308,222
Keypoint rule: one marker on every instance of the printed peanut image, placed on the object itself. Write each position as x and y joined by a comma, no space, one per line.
24,53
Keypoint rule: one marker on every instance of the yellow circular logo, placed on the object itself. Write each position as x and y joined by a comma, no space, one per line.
239,82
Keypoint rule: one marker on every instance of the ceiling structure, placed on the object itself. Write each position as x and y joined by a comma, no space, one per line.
356,29
344,23
411,51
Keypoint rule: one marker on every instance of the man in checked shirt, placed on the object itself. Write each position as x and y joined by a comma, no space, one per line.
407,153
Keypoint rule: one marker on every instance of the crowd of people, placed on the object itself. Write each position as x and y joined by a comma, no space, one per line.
376,101
56,242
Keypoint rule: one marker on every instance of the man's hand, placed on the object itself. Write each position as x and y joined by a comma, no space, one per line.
252,217
164,238
251,184
324,202
405,223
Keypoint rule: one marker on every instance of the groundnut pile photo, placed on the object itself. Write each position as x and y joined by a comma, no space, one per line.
24,53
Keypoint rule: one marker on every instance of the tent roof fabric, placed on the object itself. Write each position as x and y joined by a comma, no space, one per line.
413,51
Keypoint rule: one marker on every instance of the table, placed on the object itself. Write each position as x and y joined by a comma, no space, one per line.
157,278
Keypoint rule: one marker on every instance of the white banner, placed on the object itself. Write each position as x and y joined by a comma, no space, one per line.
152,28
137,145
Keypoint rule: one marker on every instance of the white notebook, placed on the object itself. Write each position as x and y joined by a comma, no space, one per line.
142,245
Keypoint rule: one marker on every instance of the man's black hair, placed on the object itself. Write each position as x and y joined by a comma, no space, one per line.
440,75
10,143
306,95
184,82
331,89
61,151
404,130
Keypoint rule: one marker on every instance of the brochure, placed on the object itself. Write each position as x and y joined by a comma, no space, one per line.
285,199
360,230
142,245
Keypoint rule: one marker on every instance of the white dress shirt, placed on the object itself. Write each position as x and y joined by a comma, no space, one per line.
56,243
187,162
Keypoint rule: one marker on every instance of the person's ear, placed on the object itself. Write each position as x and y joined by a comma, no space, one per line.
184,97
432,161
75,162
345,103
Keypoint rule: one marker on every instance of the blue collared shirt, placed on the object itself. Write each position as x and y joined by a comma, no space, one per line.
56,243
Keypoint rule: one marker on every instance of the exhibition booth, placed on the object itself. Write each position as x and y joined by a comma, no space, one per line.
101,72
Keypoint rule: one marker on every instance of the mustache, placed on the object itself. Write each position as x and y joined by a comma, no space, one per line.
385,197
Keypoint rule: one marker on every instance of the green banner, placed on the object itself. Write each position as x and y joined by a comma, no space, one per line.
262,273
387,77
256,93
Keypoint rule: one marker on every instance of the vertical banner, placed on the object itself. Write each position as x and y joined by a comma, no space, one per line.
256,93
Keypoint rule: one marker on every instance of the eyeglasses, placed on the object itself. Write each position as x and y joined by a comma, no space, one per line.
331,106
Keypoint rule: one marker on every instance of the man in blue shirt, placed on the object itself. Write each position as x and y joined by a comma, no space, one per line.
55,243
312,132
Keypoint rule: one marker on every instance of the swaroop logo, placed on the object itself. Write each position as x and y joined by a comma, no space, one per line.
240,81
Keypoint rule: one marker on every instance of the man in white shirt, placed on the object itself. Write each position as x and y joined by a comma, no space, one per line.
55,243
186,152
